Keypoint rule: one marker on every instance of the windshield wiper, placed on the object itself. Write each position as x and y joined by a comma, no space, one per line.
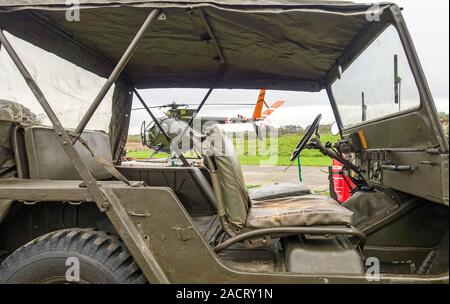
397,83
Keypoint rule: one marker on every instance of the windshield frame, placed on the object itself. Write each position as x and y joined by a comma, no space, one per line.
371,33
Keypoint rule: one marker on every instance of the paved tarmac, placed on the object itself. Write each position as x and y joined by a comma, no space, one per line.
316,178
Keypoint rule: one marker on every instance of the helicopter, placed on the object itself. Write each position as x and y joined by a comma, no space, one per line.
158,134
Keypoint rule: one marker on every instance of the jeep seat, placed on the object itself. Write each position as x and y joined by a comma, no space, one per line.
241,211
47,159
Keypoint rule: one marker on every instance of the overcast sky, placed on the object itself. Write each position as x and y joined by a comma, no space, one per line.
428,22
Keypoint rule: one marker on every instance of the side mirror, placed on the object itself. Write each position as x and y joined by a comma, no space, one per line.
334,129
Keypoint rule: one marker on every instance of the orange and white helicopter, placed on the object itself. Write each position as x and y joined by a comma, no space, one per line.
260,113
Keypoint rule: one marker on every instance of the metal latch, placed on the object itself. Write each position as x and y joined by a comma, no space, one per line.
397,168
263,241
135,214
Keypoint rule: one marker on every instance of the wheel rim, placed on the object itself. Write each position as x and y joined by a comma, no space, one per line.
60,280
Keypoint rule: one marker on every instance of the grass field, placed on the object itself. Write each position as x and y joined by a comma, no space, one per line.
253,154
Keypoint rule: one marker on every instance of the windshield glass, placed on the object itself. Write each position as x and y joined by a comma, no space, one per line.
377,84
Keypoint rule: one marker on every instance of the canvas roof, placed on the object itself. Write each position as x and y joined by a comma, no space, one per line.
279,44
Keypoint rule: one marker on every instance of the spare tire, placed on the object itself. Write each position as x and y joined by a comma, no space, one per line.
80,256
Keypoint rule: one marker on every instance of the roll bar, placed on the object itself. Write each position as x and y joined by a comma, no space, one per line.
117,70
63,136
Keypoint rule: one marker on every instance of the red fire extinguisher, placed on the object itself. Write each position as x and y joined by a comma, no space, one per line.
341,182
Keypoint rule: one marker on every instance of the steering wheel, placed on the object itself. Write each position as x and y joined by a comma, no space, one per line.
306,138
143,134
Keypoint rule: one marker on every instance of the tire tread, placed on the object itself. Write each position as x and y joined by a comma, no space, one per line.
100,246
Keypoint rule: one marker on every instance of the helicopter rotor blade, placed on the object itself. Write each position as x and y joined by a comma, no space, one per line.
224,104
154,107
193,104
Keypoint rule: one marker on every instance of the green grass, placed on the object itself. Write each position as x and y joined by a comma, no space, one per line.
286,143
253,153
251,186
145,154
284,161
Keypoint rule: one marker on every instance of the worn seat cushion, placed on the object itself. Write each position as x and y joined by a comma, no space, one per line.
307,210
278,190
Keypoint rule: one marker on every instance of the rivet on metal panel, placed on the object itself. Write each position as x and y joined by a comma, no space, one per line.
106,206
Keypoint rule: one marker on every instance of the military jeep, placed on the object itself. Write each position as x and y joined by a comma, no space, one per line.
65,194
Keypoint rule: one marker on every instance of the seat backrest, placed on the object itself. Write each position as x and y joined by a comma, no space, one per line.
47,159
13,162
7,162
220,148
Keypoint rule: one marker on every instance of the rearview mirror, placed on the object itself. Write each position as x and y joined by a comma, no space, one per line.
334,129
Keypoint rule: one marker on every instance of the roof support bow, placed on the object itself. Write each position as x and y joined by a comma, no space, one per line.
117,70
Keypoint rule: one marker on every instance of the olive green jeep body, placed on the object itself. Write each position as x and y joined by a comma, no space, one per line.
66,192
